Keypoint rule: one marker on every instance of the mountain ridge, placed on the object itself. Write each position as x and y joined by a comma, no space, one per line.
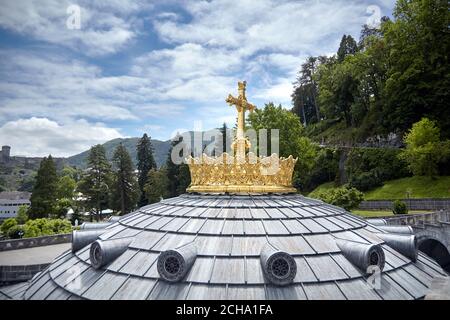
160,149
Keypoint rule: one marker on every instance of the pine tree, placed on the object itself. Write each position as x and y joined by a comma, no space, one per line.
184,178
172,170
45,191
225,137
145,162
96,181
178,175
125,189
347,46
157,185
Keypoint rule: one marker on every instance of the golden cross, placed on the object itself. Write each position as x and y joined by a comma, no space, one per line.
241,105
241,144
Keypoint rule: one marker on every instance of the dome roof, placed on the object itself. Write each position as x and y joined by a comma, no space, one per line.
222,246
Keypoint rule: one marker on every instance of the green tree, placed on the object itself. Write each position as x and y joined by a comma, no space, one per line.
125,192
225,139
418,78
66,187
71,172
157,185
95,184
424,149
292,140
177,174
347,47
145,162
22,215
45,192
304,97
338,90
184,178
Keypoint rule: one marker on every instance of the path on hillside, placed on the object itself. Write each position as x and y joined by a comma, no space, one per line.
29,256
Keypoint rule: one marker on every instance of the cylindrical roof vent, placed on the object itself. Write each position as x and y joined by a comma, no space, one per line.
81,238
94,225
113,219
174,264
279,267
362,255
377,222
405,244
103,252
397,229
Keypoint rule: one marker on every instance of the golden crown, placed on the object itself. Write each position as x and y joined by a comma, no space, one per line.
241,171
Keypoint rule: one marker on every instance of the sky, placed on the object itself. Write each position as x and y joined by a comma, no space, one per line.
78,73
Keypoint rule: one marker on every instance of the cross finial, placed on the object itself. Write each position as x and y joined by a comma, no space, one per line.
241,89
241,105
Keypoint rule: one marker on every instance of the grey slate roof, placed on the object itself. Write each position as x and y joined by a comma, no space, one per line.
229,232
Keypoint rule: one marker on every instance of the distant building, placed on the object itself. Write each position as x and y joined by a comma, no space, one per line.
5,154
10,203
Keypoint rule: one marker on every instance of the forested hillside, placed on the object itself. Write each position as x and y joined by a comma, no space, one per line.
393,76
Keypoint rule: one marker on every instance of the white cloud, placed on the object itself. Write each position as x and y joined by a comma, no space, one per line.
278,93
106,26
41,136
62,89
250,26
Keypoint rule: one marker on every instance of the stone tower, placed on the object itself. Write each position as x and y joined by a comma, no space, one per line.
5,154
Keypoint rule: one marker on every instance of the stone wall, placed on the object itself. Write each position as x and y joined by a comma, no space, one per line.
11,274
34,242
412,204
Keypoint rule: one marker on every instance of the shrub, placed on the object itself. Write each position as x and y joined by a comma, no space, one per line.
8,224
399,207
345,197
44,227
16,232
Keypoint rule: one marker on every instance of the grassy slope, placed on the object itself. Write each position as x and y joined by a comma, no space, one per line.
420,187
322,187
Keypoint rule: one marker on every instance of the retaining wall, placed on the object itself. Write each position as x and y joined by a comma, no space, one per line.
11,274
14,244
412,204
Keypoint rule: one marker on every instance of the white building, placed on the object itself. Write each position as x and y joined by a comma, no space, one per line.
10,203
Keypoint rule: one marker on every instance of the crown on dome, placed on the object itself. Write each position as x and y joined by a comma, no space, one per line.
242,171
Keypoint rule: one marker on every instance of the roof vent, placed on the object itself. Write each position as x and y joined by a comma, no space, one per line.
362,255
397,229
81,238
405,244
113,219
279,267
94,225
377,222
174,264
104,251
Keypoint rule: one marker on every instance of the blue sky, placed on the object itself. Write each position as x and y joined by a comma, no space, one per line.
153,66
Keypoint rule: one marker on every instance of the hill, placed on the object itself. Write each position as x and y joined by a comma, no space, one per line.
161,148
